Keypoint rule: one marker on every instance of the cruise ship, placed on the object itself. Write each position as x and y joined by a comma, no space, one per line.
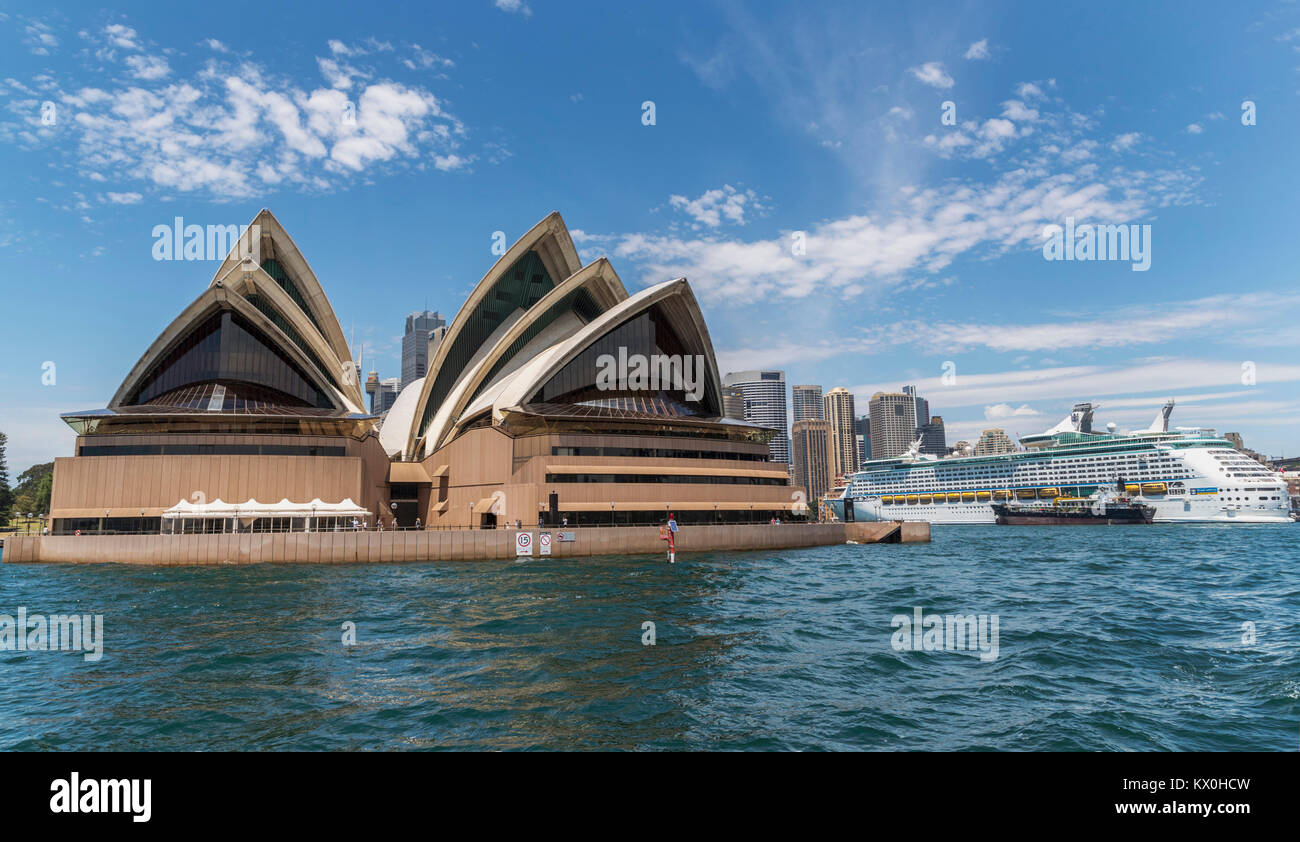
1187,474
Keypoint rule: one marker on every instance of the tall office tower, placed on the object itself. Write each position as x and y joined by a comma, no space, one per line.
994,440
806,401
387,394
814,467
933,438
837,409
415,343
861,442
435,339
733,403
922,406
862,427
893,424
765,406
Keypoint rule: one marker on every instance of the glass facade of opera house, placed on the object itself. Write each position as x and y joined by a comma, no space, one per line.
246,414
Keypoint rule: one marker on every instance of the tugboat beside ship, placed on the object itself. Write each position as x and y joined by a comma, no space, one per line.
1102,508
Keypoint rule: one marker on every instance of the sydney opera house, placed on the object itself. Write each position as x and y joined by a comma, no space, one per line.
246,413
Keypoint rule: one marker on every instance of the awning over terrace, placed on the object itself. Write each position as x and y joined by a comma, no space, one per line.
252,509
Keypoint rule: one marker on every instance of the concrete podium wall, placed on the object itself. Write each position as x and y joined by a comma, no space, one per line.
457,545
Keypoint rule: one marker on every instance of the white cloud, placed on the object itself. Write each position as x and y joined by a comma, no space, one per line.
148,68
1132,325
423,59
216,46
713,207
446,163
234,129
978,50
1162,378
1005,410
932,73
40,39
1195,128
1029,90
123,198
122,36
1014,109
1124,142
931,227
514,6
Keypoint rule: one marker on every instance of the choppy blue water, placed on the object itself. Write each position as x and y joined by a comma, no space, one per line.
1109,638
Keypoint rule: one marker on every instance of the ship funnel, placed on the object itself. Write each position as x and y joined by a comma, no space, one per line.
1081,416
1161,422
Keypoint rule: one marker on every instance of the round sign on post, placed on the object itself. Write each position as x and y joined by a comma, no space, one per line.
524,543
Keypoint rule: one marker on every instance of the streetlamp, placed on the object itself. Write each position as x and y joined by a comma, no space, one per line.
393,506
471,514
715,514
312,526
611,513
103,530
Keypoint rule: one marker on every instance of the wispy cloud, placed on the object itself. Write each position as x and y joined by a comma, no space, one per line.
932,73
977,51
514,7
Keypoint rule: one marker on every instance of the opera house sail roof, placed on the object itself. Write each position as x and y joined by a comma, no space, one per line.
521,354
259,350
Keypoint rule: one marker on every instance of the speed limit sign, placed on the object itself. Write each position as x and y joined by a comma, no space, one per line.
523,543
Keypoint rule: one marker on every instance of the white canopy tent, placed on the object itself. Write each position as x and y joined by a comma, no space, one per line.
250,510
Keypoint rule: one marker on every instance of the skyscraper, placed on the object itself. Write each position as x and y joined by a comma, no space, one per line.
893,423
415,344
862,430
765,406
922,406
733,403
806,401
387,394
934,439
837,409
814,469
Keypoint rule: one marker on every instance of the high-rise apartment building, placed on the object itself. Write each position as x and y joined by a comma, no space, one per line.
806,401
837,408
415,343
893,423
994,440
765,405
814,470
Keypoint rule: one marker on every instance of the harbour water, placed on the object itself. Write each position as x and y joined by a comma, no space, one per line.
1110,638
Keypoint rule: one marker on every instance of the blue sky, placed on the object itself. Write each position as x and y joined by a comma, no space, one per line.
923,241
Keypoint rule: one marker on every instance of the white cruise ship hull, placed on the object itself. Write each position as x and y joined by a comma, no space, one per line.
1167,511
1188,476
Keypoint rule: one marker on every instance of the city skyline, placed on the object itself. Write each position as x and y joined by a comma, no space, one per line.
832,223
